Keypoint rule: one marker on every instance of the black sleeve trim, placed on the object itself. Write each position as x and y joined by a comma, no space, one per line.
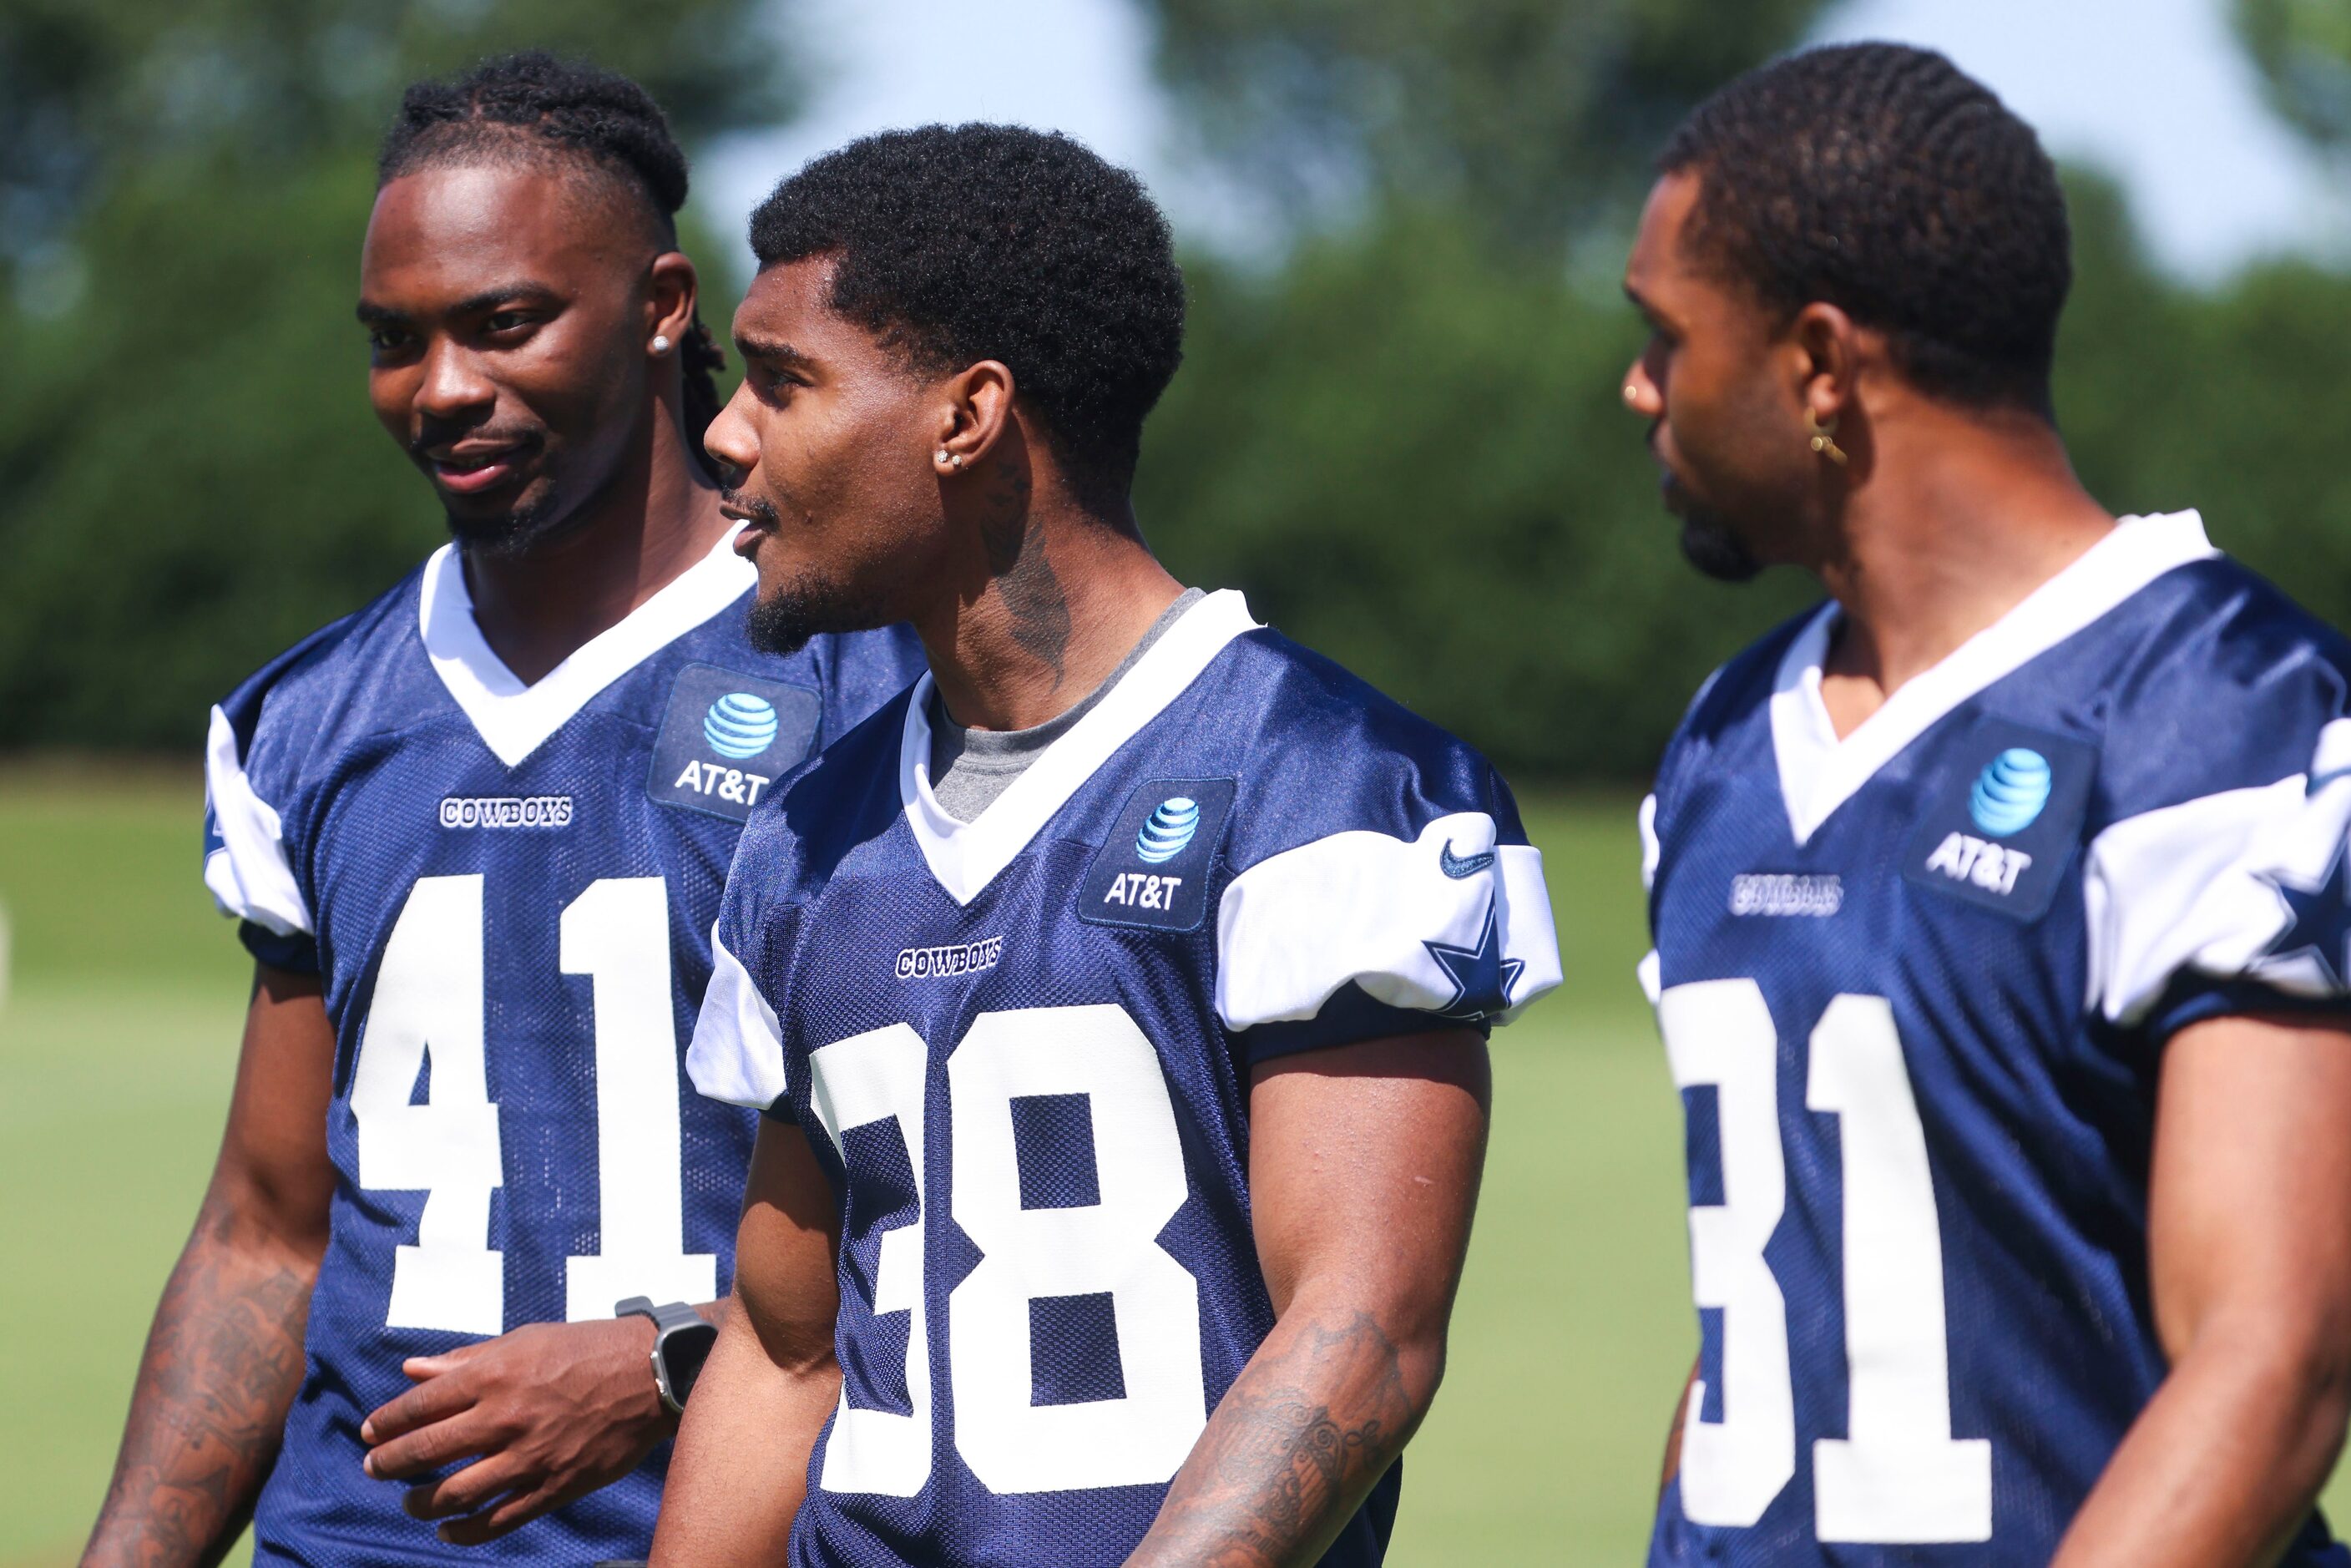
2193,998
297,954
1351,1015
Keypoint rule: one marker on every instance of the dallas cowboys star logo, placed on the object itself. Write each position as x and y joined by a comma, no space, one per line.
2318,924
1482,978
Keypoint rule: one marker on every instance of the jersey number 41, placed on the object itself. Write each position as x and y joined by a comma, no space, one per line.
428,1001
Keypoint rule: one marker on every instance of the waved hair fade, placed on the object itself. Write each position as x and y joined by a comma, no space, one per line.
1883,180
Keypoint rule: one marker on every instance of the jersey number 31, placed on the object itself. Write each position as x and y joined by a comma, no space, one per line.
1897,1475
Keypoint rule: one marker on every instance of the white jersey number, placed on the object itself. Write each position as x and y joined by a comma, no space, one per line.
429,1005
1900,1476
1109,1247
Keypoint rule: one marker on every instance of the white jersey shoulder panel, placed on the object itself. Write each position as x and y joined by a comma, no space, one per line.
738,1054
2204,887
1366,908
248,873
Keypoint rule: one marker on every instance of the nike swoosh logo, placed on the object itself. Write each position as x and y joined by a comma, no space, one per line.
1459,866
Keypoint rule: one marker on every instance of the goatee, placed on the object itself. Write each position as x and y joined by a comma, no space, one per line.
1709,542
808,608
515,532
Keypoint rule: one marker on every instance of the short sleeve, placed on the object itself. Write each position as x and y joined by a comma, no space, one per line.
245,865
737,1052
1358,933
2233,901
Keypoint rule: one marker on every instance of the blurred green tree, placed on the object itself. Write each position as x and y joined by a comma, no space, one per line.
1402,437
1409,446
2226,400
1405,440
1537,117
89,88
190,476
2303,50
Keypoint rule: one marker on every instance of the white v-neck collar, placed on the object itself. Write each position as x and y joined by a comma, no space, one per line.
967,856
513,718
1818,772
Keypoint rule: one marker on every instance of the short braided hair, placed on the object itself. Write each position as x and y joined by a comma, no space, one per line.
1883,180
533,104
957,243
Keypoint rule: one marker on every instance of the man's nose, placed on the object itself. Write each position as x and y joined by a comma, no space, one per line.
452,384
1642,393
731,438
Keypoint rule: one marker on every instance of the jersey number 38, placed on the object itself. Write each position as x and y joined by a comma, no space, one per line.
1107,1247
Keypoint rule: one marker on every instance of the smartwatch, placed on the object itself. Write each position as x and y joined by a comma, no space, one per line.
681,1342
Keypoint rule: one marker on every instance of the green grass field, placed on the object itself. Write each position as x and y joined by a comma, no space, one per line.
118,1038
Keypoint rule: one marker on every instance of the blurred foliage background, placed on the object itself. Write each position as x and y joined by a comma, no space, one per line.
1399,432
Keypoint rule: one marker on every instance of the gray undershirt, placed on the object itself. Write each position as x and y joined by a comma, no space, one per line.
970,767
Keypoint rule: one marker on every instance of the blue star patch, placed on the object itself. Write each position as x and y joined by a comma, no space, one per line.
1482,978
2318,926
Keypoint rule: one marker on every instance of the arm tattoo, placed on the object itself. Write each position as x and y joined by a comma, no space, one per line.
1289,1454
1016,554
223,1365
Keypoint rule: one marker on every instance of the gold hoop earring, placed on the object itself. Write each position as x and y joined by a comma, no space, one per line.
1823,440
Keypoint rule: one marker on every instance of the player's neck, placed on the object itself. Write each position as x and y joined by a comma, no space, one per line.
1957,522
1067,595
653,519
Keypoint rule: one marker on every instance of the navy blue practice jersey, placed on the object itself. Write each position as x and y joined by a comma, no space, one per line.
509,892
1022,1048
1915,986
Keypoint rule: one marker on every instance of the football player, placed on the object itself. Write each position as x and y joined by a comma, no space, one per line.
1117,999
1999,902
475,834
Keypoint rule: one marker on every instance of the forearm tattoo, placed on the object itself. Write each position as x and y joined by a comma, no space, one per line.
1289,1454
221,1366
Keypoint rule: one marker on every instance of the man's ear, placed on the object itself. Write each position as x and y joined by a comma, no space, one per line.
674,288
1828,356
975,410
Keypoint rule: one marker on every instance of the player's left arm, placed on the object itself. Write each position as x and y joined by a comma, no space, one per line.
537,1419
1363,1168
2250,1258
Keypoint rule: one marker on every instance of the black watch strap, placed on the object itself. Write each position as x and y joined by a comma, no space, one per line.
681,1342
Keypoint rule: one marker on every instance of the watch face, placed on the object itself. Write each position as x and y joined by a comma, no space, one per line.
683,1353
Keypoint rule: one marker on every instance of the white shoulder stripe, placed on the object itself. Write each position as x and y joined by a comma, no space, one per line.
248,875
738,1054
2201,887
1364,907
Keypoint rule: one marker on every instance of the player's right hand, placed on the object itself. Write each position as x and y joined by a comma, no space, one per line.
546,1414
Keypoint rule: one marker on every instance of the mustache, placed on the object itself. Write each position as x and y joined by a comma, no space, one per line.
758,508
431,437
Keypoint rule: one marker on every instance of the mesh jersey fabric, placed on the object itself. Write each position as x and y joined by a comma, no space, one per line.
1955,972
512,958
1021,1047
